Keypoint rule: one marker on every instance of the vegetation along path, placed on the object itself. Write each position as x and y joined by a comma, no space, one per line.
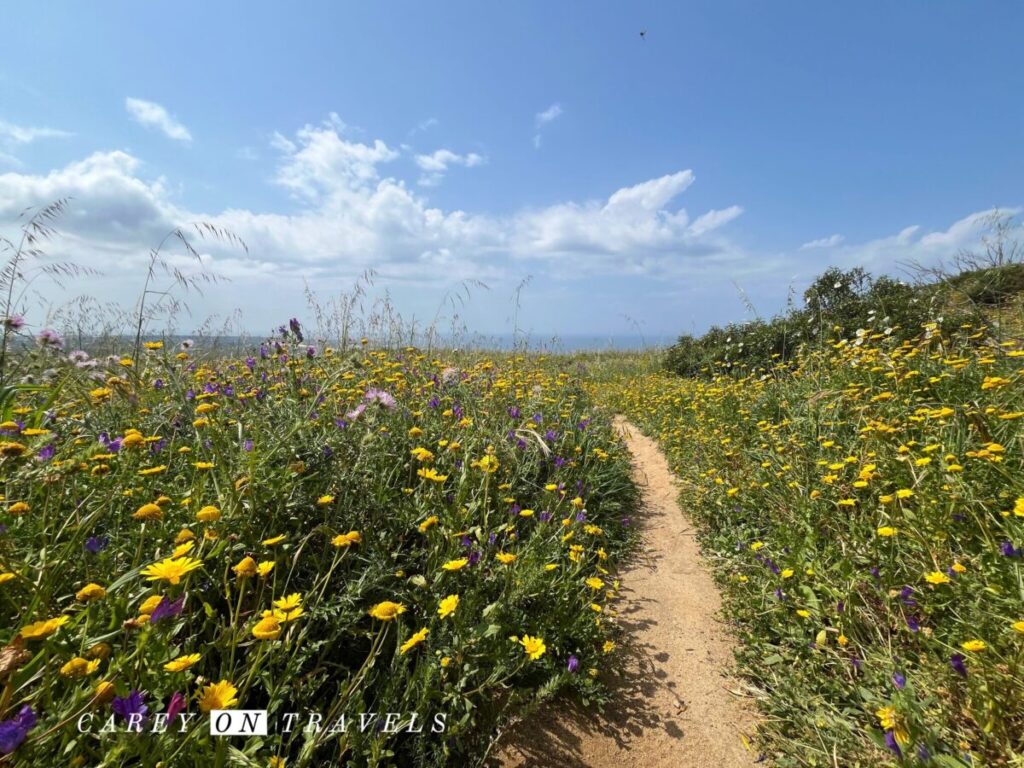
674,705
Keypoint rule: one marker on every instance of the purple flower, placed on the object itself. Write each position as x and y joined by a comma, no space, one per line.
158,384
474,557
175,706
50,338
129,705
167,608
46,452
923,754
551,436
573,664
14,322
310,352
899,680
956,661
912,623
890,742
356,412
380,396
96,544
247,446
538,418
293,324
434,402
14,731
626,522
1009,550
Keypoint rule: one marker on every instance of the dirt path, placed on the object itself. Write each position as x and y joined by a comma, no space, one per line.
673,706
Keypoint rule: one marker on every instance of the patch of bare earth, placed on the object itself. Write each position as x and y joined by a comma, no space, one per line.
674,704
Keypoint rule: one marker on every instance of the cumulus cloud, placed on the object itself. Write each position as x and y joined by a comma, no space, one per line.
153,115
321,161
824,242
436,164
350,214
912,245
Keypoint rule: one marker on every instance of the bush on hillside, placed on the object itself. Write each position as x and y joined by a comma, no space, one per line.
837,302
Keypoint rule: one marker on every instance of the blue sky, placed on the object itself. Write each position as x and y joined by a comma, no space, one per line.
445,142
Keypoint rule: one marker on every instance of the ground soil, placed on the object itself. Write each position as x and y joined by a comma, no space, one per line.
674,704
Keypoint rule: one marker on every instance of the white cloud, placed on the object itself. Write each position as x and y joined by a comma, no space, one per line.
350,212
911,246
17,134
824,242
541,119
153,115
350,215
436,164
320,161
551,113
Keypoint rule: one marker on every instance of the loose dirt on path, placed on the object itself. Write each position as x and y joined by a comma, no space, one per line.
674,704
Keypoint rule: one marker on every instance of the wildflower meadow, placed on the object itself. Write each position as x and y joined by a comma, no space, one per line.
300,529
863,504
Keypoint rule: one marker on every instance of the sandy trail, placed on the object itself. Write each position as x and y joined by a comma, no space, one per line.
673,705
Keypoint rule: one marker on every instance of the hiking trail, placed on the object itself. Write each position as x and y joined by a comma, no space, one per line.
674,705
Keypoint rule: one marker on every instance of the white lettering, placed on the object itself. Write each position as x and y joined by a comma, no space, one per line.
439,724
313,723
